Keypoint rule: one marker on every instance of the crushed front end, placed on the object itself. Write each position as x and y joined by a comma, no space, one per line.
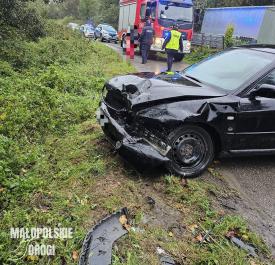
122,128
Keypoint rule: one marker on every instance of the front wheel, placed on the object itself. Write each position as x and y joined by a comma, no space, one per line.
178,57
192,151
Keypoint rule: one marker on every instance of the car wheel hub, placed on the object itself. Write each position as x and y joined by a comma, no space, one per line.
188,149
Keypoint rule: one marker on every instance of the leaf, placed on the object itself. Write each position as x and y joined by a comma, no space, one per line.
75,255
123,219
245,237
32,258
230,234
199,238
193,227
124,222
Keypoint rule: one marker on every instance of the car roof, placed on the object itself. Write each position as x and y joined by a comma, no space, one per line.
269,48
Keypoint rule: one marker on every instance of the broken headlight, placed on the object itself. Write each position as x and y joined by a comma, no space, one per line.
156,142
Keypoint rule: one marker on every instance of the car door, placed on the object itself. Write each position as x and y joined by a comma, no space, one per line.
255,121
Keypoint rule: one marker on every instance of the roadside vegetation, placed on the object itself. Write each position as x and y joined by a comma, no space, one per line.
199,53
57,169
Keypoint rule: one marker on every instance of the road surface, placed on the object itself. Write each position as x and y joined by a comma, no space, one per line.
155,64
253,178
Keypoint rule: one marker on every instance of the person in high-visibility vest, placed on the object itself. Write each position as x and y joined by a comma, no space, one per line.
172,44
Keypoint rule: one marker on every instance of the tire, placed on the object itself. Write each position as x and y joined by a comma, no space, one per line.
192,150
178,57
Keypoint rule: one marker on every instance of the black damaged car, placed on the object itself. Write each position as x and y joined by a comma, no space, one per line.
224,105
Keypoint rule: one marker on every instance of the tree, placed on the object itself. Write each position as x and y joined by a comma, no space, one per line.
15,15
89,9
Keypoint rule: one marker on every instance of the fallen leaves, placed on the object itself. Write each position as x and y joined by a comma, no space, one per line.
199,238
230,234
193,228
32,258
75,255
124,222
170,234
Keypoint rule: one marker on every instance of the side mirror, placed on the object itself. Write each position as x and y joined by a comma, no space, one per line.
264,90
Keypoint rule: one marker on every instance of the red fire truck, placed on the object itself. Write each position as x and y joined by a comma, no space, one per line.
163,14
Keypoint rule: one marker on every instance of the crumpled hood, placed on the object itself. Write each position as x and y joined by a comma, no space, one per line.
142,91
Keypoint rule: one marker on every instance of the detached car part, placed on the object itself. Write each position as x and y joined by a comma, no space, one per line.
222,106
97,246
164,258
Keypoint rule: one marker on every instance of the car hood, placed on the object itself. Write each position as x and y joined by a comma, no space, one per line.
146,89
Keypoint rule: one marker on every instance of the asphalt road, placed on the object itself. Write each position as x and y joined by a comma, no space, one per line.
155,63
252,178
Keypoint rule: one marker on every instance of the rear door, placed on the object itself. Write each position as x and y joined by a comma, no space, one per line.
255,121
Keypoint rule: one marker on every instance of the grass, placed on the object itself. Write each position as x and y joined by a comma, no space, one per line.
198,54
60,171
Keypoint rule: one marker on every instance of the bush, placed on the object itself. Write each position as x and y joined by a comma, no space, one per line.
47,89
16,15
228,38
199,54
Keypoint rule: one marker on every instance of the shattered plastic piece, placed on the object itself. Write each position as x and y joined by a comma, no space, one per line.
165,259
251,250
150,201
97,246
137,230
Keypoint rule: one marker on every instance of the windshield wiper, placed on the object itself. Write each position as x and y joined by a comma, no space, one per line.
193,78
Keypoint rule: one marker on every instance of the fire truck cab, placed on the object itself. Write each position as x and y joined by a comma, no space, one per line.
163,14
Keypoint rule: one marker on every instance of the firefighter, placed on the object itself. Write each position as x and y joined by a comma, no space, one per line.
172,44
146,40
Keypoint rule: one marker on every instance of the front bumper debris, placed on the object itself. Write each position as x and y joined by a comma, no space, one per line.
136,150
97,246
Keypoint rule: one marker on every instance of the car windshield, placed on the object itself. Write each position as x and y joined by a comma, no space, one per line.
90,27
175,11
108,28
229,70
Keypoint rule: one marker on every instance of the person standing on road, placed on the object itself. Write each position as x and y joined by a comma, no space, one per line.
146,40
172,44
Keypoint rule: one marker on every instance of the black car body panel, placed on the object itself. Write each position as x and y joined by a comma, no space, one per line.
141,110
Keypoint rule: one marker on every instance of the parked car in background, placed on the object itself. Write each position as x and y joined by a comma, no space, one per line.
224,105
88,31
73,26
106,32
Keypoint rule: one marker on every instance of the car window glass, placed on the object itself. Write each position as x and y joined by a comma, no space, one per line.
269,79
108,28
230,69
